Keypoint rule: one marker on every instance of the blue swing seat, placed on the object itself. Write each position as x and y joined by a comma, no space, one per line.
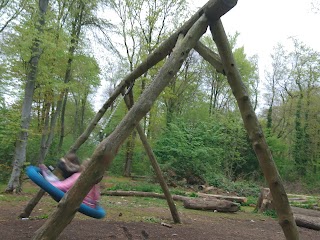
35,175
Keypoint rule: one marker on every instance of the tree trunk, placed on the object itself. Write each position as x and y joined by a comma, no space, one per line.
255,133
76,29
49,134
264,202
45,132
21,143
130,141
129,154
62,115
107,149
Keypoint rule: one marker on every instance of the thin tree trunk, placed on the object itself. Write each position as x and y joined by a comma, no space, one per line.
129,154
130,142
74,41
62,126
21,143
255,133
107,149
50,134
45,132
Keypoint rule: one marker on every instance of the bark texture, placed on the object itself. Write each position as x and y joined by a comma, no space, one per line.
210,56
229,198
252,125
14,184
212,204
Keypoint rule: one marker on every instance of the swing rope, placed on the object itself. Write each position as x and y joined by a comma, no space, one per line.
118,103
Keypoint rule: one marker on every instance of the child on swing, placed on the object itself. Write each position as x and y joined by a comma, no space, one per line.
71,170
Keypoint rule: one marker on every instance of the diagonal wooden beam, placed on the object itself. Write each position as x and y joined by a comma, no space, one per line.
214,9
154,163
107,149
255,133
210,56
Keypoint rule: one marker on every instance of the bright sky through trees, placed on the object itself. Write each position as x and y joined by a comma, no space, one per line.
262,24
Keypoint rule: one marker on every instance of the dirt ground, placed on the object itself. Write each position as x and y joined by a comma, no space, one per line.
195,226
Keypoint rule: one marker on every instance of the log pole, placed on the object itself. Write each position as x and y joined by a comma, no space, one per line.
255,133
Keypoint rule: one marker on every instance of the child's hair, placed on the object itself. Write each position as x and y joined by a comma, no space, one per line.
73,158
69,165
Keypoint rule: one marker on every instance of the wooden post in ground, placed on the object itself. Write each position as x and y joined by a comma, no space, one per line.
155,165
252,125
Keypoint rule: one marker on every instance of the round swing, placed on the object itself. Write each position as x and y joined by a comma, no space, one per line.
35,175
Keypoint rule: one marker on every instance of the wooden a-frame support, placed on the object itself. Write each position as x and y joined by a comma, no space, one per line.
107,149
216,7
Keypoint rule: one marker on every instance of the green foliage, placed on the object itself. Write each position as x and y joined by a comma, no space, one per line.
251,200
187,151
292,114
271,213
206,151
240,187
9,127
136,186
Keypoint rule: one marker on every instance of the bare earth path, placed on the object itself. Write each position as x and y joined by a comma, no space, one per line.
196,226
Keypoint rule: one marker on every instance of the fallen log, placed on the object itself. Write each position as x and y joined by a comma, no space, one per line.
175,197
307,212
142,194
212,204
307,221
224,197
306,218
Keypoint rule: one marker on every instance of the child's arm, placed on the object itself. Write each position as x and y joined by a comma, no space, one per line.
66,184
47,174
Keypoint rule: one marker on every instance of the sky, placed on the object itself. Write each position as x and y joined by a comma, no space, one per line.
263,24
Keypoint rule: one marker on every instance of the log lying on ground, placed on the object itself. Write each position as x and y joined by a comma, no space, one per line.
142,194
306,218
192,203
307,212
307,221
175,197
212,204
224,197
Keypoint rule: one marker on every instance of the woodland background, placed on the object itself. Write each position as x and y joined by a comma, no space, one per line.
51,57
